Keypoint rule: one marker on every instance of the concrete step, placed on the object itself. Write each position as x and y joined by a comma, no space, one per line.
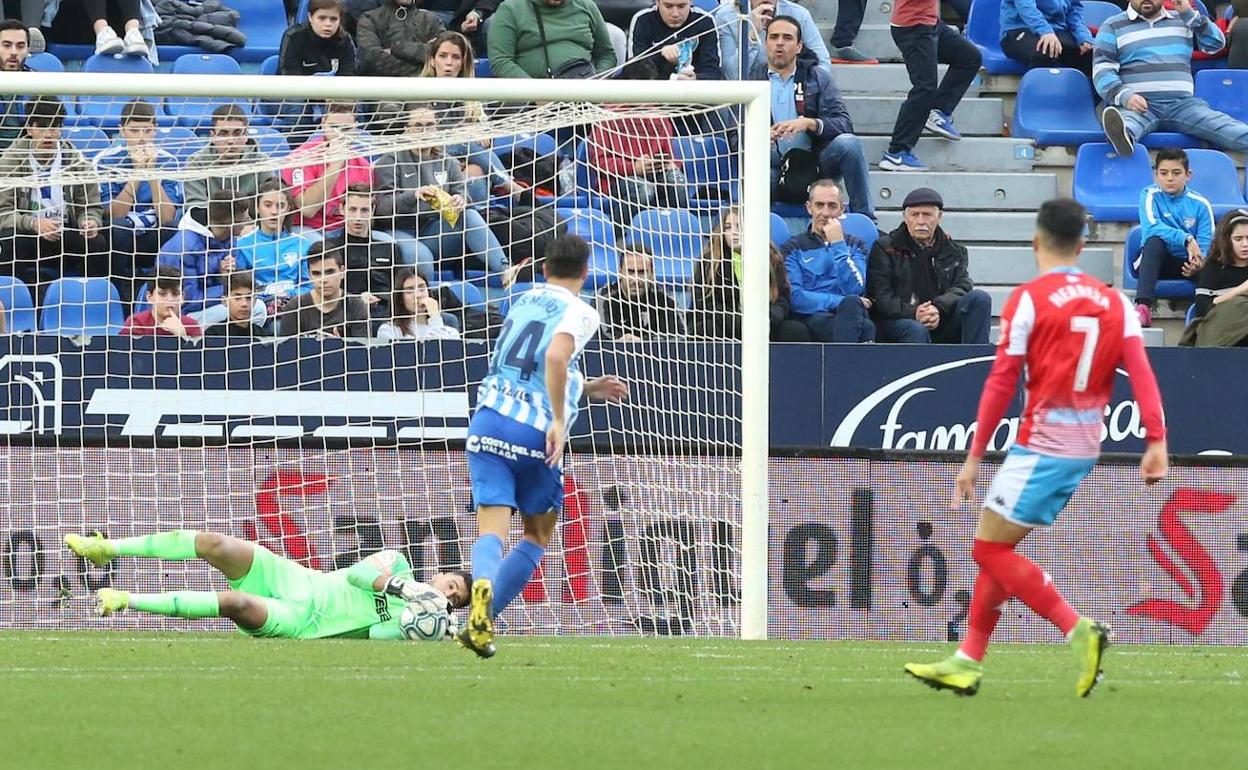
825,11
1010,265
876,115
883,80
875,40
967,190
974,226
987,153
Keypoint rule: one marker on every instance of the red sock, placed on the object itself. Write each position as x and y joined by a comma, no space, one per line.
983,615
1023,578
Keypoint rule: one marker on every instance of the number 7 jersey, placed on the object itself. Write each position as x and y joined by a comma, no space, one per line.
1070,328
515,386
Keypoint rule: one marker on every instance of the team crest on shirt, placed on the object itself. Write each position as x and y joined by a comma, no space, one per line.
1189,222
291,258
440,177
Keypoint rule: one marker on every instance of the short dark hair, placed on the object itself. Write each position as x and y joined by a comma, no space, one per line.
339,108
566,257
15,25
467,576
326,5
359,188
1172,153
167,278
323,251
45,112
1060,224
229,111
241,279
797,25
137,109
640,69
226,209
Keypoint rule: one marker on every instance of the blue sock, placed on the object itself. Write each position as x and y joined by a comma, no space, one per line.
487,552
515,572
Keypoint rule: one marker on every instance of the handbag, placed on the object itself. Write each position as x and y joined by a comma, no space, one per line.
572,69
799,168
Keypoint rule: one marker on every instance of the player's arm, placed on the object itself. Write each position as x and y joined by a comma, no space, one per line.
558,358
385,571
1155,463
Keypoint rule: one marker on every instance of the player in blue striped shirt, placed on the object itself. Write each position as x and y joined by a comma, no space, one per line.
516,438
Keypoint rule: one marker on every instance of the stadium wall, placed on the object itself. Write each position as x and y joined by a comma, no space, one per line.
862,545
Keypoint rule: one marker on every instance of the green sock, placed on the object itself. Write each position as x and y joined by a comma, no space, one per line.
178,604
178,545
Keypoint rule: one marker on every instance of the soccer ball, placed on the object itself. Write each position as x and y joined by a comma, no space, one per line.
425,620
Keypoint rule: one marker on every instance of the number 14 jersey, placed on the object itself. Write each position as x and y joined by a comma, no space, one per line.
516,384
1070,329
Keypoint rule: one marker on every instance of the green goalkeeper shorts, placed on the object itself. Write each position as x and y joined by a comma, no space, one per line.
287,589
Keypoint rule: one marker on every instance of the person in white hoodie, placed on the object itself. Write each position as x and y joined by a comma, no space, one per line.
415,314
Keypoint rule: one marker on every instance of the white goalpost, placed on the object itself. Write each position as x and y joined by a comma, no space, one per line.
327,445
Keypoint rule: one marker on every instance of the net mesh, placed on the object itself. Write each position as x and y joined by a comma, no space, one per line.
269,318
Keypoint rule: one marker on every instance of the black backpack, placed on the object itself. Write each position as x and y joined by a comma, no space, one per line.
524,232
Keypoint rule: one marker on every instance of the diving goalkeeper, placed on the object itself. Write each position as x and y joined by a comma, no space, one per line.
272,596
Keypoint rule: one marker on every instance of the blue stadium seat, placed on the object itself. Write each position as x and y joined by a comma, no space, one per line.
197,112
1224,90
709,167
1159,139
301,12
594,226
105,111
19,307
1095,12
465,291
264,23
983,29
1214,176
270,141
861,227
541,144
1109,186
483,68
1191,315
790,210
1175,288
88,139
180,142
44,62
81,306
269,65
1054,107
779,229
674,237
707,5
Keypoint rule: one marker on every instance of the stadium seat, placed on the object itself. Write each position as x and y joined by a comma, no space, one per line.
540,144
593,225
708,165
19,307
861,227
301,12
707,5
1054,107
675,238
465,291
180,142
1190,315
44,62
81,306
270,141
1224,90
779,230
483,68
983,28
1109,186
88,139
1160,139
790,210
196,113
1214,176
105,111
269,65
264,23
1095,12
1173,288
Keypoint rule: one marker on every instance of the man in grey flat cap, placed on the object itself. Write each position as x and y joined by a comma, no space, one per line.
918,283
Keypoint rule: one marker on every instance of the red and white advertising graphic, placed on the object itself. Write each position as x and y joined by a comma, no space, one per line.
859,548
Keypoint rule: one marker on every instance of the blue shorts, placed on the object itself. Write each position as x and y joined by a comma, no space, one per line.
507,464
1030,489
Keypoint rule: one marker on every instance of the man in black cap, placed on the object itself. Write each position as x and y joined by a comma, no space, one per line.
918,283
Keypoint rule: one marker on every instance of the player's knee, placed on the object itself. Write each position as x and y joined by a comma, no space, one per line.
231,604
209,545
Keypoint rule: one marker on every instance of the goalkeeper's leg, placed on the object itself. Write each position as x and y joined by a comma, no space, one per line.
231,556
248,612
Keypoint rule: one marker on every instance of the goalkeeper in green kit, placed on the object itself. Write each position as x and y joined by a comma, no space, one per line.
272,596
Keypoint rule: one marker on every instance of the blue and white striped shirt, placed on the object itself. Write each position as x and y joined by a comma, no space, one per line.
516,384
1152,58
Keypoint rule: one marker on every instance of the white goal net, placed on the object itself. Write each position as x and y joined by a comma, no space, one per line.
264,311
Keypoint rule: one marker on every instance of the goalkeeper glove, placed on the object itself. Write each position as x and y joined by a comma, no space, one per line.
415,591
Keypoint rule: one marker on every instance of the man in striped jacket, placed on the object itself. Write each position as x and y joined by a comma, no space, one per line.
1141,67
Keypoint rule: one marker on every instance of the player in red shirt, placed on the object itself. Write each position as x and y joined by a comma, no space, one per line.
1071,332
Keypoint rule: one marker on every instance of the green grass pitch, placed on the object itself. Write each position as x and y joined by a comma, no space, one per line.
177,701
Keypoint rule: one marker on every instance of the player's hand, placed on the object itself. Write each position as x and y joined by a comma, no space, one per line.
1048,45
90,229
1137,103
407,590
671,53
228,264
49,229
964,490
1154,463
556,437
174,326
608,388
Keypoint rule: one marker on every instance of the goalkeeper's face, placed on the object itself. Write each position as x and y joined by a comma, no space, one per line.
452,585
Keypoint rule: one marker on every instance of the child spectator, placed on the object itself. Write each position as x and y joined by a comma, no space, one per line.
201,251
415,315
274,254
320,46
1222,289
326,310
331,164
238,303
717,278
165,318
1177,229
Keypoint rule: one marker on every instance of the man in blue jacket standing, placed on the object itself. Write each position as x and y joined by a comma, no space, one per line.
807,113
1046,33
827,272
1176,229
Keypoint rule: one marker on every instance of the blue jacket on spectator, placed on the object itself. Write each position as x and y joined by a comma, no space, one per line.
1045,16
1174,217
276,261
143,213
821,100
198,254
821,274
